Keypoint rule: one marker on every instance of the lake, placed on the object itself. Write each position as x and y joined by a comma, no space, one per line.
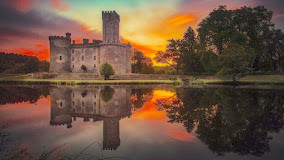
141,122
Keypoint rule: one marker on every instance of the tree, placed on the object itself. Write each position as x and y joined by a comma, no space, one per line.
141,63
106,70
44,66
236,61
180,54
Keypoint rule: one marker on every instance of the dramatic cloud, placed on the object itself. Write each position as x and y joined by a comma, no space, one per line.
146,24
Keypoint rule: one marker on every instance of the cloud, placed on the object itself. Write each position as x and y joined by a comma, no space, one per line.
20,5
21,31
59,5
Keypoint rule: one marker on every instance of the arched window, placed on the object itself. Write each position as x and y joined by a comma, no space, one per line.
60,57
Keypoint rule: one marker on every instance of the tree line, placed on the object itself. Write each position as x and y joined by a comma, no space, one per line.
229,43
11,63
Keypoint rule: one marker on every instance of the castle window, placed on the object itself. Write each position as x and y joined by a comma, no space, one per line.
95,96
73,66
72,51
73,95
83,58
73,58
61,104
95,57
94,66
83,104
60,57
73,103
95,103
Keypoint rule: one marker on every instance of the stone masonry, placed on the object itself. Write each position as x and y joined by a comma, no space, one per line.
89,56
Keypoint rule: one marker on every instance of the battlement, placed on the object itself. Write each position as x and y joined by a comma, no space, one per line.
68,37
110,15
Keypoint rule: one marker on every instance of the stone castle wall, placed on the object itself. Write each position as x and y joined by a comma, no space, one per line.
59,54
67,57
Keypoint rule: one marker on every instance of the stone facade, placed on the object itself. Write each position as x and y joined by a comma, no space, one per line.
66,57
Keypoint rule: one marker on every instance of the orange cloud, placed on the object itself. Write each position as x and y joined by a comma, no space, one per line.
40,51
179,20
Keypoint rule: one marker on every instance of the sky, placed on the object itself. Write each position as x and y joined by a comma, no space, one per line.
147,24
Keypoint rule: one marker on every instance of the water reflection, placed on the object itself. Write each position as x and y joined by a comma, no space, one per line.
227,119
107,104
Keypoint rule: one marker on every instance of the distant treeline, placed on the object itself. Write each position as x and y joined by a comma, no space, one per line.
11,63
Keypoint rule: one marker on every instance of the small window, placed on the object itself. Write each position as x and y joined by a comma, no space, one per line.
83,104
83,58
61,104
73,66
73,103
73,58
73,51
73,94
95,57
60,57
95,103
94,66
95,96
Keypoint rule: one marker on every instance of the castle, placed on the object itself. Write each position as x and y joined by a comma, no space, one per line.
88,57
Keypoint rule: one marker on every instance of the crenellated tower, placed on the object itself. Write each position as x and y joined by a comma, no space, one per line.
111,27
60,53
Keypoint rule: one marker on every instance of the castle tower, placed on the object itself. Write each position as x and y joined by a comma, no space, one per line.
60,53
110,27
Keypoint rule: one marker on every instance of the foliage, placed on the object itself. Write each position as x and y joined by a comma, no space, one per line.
43,66
141,63
106,94
236,61
246,26
106,70
17,64
180,54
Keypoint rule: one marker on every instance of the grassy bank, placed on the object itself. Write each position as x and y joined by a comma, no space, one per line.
247,80
28,79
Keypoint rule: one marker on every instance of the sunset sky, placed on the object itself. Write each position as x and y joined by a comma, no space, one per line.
26,24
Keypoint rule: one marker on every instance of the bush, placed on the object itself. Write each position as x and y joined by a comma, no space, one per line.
106,70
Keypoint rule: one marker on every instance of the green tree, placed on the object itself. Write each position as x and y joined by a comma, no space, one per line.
236,61
106,70
141,63
43,66
180,54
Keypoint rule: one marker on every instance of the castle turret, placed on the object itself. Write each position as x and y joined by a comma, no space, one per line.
110,27
60,53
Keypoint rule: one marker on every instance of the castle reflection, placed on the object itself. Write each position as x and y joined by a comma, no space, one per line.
107,104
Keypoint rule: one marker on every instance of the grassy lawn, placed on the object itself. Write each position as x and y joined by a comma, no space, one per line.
253,79
27,79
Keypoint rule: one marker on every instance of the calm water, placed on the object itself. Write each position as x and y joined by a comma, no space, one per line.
150,122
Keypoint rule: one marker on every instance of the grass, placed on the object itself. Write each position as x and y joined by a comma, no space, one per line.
28,79
250,79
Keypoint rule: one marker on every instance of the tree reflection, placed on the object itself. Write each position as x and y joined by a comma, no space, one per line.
17,94
140,96
227,119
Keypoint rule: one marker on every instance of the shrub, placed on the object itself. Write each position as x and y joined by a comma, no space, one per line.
106,70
